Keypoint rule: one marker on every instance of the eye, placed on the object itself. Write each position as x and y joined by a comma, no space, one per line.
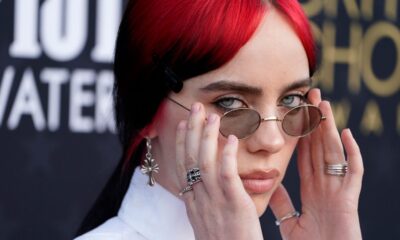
292,100
229,103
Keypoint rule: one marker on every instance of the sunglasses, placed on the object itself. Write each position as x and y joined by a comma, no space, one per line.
242,122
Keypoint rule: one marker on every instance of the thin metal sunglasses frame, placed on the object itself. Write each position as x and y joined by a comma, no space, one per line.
266,119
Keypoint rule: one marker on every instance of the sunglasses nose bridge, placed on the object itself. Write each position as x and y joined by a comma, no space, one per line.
272,118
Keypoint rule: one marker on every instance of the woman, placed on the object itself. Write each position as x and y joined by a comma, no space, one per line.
212,98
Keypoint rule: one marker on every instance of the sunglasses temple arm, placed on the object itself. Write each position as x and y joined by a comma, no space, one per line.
172,100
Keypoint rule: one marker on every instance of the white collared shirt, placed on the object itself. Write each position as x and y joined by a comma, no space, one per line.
146,213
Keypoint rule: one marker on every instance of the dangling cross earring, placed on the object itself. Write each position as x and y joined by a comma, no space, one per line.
149,164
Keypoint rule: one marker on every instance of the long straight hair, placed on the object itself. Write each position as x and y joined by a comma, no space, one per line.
191,38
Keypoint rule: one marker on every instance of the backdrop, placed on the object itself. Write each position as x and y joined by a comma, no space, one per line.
57,138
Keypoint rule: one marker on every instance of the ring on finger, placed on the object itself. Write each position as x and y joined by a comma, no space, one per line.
193,176
188,188
295,213
337,169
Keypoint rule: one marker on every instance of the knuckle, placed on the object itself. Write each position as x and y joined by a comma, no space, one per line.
180,140
227,176
205,165
207,134
191,124
332,157
180,167
190,158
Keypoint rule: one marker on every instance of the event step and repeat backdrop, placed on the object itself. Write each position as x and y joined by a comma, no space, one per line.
57,137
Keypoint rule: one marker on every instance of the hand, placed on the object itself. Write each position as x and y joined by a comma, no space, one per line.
218,207
329,203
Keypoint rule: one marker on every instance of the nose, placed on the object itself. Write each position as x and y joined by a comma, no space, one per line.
268,137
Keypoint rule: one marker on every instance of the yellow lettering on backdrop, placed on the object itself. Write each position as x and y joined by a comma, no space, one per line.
367,9
390,85
312,7
371,121
391,9
331,8
316,32
341,111
317,36
333,55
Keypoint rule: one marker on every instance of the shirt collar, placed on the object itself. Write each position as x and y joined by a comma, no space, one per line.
154,212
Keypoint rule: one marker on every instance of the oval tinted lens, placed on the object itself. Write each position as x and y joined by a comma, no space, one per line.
301,120
239,122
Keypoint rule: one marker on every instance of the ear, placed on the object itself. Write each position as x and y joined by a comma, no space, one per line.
152,131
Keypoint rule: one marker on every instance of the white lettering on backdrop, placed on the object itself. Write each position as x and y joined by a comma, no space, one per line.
58,30
90,104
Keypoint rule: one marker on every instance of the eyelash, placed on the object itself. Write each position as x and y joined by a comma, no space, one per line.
302,99
218,102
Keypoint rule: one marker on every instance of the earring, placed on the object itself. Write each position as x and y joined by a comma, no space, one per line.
149,164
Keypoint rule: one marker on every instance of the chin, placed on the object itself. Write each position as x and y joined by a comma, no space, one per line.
261,202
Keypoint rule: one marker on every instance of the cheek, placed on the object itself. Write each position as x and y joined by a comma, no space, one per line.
290,144
287,152
166,129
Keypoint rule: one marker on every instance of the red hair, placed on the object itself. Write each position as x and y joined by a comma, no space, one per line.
193,37
292,9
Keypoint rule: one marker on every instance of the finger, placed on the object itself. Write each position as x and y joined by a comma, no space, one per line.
304,160
316,156
354,160
332,144
208,154
180,159
314,96
193,135
229,177
281,205
317,152
180,152
192,143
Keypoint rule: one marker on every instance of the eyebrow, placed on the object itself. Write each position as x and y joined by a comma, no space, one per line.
298,84
225,85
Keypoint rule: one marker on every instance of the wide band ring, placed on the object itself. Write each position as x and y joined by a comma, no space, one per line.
337,169
295,213
193,176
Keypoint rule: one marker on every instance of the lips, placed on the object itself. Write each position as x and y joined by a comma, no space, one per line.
258,182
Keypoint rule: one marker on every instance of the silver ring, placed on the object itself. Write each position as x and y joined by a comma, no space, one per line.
188,188
286,217
338,169
193,176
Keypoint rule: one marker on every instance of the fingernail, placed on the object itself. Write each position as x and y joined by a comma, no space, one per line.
319,91
348,130
182,125
195,107
325,102
231,139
